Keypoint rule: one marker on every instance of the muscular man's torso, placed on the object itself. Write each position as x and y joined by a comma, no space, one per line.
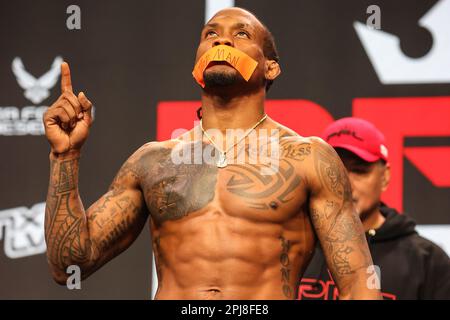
228,233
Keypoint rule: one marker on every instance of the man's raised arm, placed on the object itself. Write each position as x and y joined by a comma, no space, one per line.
337,225
74,236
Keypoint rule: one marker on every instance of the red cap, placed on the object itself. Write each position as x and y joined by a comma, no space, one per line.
358,136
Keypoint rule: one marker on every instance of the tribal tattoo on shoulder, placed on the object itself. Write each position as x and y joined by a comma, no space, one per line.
331,172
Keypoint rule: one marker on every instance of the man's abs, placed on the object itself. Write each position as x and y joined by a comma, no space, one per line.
211,255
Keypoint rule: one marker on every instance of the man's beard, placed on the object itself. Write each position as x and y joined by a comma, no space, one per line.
219,79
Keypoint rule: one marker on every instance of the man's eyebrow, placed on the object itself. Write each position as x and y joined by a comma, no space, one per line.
238,25
211,25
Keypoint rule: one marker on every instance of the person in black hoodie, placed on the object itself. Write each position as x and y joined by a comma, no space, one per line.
410,266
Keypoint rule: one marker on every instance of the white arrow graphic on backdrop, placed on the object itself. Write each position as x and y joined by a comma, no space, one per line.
393,67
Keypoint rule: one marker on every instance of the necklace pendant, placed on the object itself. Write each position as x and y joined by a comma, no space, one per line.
222,162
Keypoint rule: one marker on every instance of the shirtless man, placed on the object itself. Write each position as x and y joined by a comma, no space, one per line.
218,232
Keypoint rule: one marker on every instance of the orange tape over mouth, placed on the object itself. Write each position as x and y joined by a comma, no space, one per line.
242,62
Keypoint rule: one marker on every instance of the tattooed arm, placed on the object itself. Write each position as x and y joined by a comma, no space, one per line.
337,225
90,238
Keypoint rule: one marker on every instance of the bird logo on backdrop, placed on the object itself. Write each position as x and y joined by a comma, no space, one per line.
36,89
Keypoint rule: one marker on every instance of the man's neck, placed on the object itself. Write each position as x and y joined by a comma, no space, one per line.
373,220
223,113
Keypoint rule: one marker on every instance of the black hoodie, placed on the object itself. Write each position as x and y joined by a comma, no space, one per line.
411,266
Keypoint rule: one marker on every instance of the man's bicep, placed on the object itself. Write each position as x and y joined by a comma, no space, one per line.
337,225
116,219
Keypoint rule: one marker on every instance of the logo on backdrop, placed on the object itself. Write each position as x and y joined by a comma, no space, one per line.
15,121
36,89
22,231
394,67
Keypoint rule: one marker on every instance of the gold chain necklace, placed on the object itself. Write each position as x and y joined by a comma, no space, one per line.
222,162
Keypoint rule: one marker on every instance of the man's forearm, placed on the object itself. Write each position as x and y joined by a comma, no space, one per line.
361,287
66,232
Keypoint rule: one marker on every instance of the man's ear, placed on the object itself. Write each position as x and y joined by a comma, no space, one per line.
386,177
272,69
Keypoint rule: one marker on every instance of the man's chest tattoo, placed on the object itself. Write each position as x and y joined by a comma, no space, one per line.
173,191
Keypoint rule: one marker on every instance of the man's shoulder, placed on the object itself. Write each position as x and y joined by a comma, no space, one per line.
315,160
427,247
149,152
311,146
409,238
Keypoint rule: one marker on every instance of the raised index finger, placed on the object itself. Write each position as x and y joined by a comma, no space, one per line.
66,81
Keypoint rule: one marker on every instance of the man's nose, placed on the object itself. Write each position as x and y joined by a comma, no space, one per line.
226,41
